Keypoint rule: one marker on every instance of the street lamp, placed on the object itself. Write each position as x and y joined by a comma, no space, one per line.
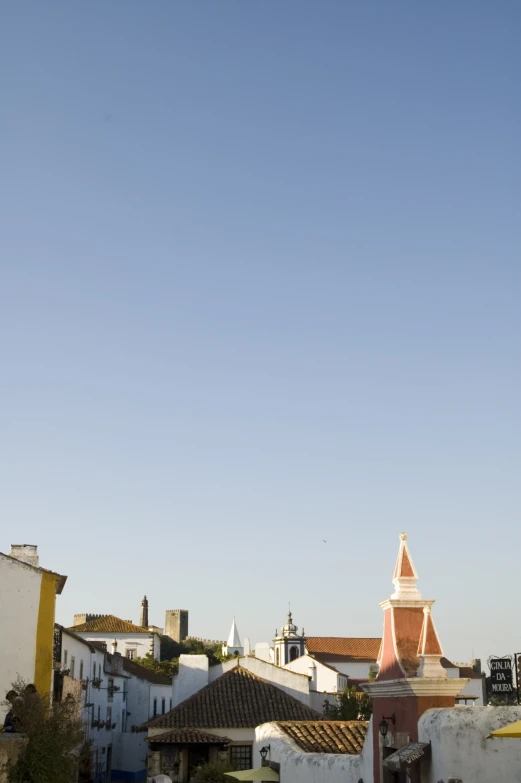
264,752
384,726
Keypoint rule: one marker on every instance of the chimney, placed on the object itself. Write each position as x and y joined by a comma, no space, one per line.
114,647
193,675
144,613
26,553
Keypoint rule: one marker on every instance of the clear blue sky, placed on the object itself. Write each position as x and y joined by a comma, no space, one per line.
260,287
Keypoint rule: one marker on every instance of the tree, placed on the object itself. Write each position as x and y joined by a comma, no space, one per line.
213,773
351,705
168,668
55,738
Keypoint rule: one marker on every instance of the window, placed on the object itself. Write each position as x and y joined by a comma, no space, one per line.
65,654
109,717
110,689
170,704
124,692
277,657
155,707
94,670
131,654
293,653
99,713
240,756
163,706
73,663
123,720
81,670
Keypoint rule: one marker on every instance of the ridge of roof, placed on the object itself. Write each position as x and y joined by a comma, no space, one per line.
75,636
109,623
237,699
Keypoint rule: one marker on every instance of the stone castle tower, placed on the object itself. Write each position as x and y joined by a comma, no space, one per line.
176,624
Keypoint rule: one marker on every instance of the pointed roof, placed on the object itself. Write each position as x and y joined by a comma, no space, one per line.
234,640
429,643
237,699
107,623
405,577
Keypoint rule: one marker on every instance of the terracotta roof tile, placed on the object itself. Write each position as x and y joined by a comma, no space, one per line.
188,737
345,647
237,699
327,736
107,623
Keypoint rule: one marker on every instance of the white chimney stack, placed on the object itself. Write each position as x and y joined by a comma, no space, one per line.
114,647
26,553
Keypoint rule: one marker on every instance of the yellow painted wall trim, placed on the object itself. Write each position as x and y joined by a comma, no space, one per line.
45,635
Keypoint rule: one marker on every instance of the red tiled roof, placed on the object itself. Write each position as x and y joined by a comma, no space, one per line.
188,737
107,623
345,647
328,736
237,699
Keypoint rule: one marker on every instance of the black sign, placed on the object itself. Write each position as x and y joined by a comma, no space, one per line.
501,680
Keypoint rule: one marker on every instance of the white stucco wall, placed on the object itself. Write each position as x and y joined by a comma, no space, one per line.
323,678
158,693
142,643
460,748
312,767
19,606
356,670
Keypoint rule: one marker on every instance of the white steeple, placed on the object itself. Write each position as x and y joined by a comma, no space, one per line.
233,646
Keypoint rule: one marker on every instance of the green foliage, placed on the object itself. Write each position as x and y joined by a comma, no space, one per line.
168,668
171,650
55,736
351,705
213,773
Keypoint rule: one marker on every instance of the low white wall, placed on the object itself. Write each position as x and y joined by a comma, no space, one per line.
142,643
460,748
310,767
324,678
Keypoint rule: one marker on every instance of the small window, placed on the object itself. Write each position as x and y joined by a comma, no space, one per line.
81,670
170,703
240,756
99,713
163,706
131,654
155,707
277,657
109,718
110,689
294,653
73,664
65,655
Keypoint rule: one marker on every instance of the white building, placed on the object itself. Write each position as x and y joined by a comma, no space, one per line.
117,696
324,680
27,607
233,646
218,711
133,641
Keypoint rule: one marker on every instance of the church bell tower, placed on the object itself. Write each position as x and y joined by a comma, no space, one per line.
288,645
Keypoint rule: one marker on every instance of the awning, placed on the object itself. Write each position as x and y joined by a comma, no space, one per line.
261,773
512,730
407,756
